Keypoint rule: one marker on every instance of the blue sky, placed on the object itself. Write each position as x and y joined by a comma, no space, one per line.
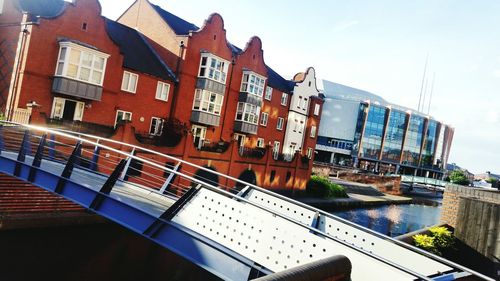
381,47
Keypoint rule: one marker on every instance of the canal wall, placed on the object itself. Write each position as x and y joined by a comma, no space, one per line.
385,184
451,200
475,215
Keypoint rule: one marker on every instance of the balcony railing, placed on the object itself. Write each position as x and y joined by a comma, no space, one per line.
252,152
81,127
218,147
285,157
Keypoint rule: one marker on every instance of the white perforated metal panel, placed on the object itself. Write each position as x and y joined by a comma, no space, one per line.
270,240
352,235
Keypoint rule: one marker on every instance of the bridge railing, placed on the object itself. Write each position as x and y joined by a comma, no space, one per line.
155,172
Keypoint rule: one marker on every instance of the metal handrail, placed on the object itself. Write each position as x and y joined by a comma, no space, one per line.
311,208
71,135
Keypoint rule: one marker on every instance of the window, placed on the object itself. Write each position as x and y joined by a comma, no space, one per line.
260,142
309,153
122,116
304,104
199,133
276,149
207,101
272,176
313,131
263,118
162,91
213,68
81,63
129,82
316,109
156,126
299,101
1,6
67,109
252,83
269,93
279,126
284,99
247,112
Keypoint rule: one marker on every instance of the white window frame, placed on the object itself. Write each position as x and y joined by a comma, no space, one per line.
247,112
1,6
313,132
284,99
129,87
316,109
158,126
276,149
309,152
203,134
279,125
269,93
304,103
207,101
124,114
96,69
162,91
264,117
252,83
213,68
260,142
79,109
299,102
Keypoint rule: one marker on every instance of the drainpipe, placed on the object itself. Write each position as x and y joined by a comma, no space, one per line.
176,84
13,96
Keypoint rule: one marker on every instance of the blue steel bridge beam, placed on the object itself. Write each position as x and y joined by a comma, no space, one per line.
68,169
37,160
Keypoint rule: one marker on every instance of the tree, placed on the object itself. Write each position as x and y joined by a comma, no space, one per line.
493,181
459,177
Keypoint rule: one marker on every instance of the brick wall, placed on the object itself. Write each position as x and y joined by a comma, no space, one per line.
454,193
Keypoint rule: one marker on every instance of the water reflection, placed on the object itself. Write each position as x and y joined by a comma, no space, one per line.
394,220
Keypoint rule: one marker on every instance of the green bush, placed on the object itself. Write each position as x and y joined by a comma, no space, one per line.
425,242
440,239
321,187
443,238
459,177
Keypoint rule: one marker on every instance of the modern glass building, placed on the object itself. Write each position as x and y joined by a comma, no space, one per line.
363,130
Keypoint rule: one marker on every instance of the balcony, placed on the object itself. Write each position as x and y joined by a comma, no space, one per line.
62,85
81,127
218,147
210,85
205,118
244,127
250,98
252,152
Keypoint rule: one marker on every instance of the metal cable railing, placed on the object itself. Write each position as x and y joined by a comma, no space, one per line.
157,165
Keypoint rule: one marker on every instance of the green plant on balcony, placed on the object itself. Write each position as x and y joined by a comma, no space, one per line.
425,242
252,152
2,116
171,134
219,147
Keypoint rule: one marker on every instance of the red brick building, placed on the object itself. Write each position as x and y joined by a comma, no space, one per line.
183,90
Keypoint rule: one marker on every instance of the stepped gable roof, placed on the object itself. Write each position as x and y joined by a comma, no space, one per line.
41,8
276,81
137,52
180,26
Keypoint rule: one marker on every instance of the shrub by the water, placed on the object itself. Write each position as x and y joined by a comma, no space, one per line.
440,239
321,187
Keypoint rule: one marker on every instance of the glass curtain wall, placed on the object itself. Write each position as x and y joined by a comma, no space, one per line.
430,144
393,141
374,131
411,151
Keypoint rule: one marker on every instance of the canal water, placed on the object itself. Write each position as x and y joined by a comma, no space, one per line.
395,220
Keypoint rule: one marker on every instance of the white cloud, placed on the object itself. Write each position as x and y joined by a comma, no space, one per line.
496,73
344,25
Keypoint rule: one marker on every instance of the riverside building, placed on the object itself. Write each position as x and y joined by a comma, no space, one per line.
155,80
360,129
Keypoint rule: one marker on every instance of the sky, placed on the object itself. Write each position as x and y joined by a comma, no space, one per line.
381,47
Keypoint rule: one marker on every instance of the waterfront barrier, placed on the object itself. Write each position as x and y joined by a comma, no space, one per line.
234,233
